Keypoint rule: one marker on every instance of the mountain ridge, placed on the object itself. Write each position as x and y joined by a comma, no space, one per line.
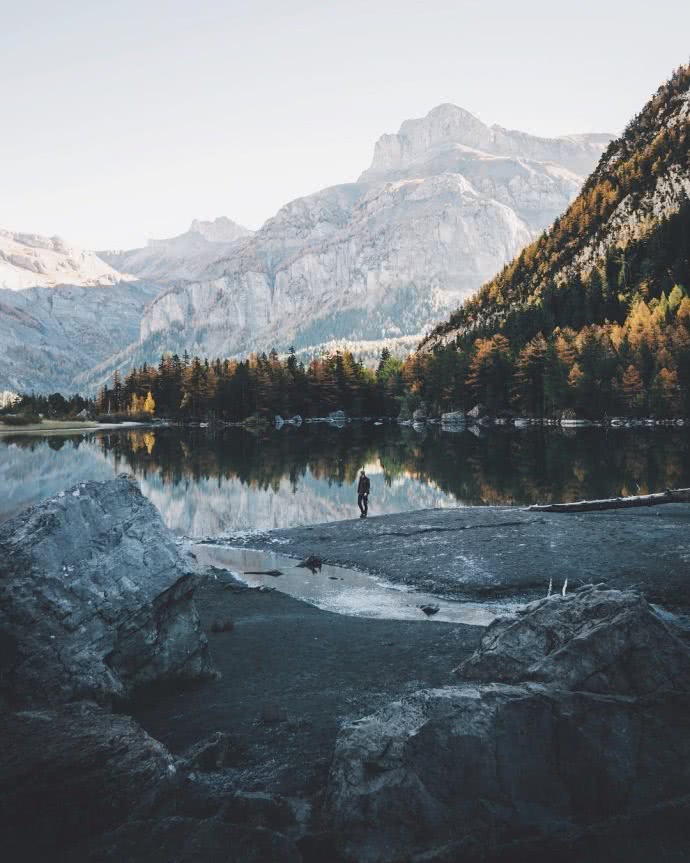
369,260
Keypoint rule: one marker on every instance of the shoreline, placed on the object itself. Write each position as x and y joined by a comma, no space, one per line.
494,552
57,427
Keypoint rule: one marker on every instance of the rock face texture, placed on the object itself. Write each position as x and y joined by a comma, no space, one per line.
605,641
183,257
95,599
446,203
480,766
71,772
50,336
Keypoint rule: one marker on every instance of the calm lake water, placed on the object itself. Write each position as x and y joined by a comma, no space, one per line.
215,482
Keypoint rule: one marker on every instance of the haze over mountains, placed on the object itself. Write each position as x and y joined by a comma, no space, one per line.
446,202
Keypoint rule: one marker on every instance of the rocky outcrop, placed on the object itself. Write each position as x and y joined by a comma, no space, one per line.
595,640
80,783
477,767
185,256
30,260
72,772
95,599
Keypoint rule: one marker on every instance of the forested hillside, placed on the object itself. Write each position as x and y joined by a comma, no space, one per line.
593,317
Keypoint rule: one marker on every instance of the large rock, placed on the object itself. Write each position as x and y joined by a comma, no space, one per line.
70,773
95,599
476,767
606,641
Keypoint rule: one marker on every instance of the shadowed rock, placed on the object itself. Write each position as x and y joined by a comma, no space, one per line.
69,773
191,840
95,599
476,767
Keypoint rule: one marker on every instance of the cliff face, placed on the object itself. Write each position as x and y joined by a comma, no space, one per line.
183,257
446,202
48,336
30,260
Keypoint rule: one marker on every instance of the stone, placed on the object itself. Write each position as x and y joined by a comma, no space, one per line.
453,418
494,762
73,772
589,722
598,640
476,412
95,599
419,416
312,563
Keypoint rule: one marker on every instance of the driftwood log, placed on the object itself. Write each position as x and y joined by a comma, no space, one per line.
671,495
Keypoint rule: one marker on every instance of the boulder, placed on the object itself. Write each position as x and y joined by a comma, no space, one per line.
95,599
491,763
453,418
70,773
476,412
589,722
597,640
420,415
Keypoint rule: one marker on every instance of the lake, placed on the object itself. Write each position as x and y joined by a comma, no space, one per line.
213,482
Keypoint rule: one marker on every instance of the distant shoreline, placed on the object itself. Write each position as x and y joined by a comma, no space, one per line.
57,427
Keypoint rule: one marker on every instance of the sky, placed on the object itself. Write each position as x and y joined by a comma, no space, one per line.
124,121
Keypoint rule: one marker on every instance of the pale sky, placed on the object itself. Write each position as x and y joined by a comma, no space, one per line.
125,120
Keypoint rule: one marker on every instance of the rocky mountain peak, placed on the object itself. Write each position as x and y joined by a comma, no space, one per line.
220,230
31,260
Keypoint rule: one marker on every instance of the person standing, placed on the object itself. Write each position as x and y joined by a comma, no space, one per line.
363,489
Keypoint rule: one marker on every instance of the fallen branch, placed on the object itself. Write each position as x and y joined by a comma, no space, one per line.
671,495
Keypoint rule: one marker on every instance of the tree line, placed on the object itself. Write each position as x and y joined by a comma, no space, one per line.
616,342
262,386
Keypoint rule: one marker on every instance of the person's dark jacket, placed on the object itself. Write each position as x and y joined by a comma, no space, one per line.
363,487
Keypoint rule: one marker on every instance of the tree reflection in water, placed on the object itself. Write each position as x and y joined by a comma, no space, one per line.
214,480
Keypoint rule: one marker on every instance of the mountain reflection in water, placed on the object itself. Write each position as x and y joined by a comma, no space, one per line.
210,482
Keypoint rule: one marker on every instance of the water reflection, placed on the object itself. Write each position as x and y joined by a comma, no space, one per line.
210,482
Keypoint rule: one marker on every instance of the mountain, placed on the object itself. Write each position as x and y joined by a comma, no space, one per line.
48,336
62,311
445,204
183,257
29,260
594,316
642,180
